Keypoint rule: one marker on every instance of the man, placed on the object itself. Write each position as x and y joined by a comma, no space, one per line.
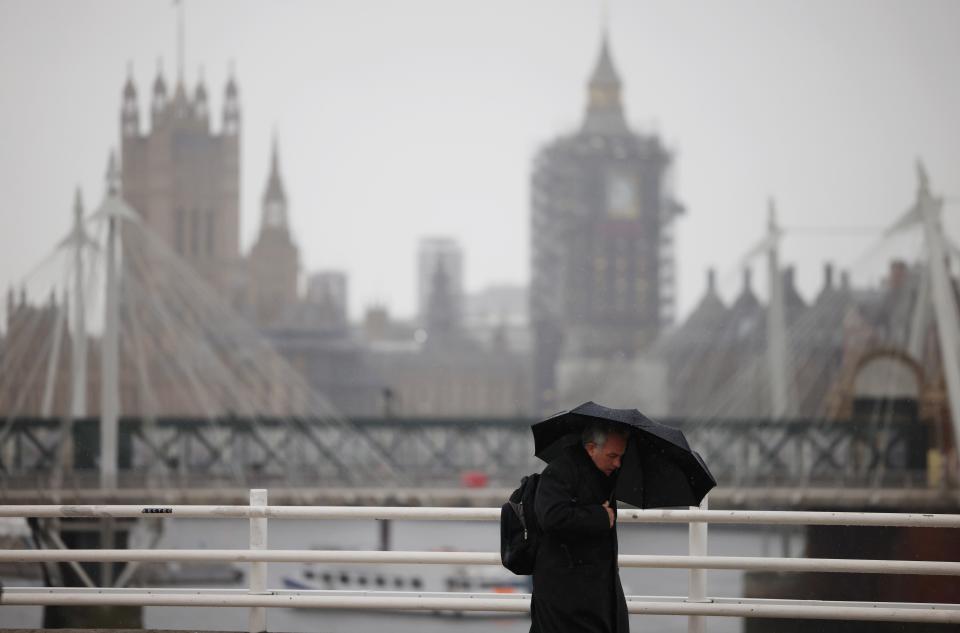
576,583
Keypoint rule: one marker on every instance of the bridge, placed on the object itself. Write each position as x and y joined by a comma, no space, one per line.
798,463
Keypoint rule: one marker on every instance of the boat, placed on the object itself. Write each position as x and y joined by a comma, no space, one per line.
175,574
426,578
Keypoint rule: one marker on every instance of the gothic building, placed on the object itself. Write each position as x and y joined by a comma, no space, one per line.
602,269
184,178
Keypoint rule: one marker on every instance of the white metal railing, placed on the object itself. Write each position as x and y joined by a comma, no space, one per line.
755,517
696,605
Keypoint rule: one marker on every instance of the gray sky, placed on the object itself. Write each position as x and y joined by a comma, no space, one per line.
404,119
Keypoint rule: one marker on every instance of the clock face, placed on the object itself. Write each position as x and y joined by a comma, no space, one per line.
622,197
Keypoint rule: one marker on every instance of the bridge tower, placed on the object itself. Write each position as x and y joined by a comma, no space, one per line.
926,210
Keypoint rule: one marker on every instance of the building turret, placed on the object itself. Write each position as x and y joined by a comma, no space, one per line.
747,300
747,316
793,302
604,109
711,305
159,102
129,111
201,107
231,108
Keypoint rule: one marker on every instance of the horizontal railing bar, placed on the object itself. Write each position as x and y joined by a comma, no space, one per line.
389,593
756,563
250,556
764,517
776,517
247,512
488,602
750,563
799,602
357,593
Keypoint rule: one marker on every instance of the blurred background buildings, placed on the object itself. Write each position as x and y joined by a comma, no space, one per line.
598,321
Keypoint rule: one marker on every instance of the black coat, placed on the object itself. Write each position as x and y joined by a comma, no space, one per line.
576,582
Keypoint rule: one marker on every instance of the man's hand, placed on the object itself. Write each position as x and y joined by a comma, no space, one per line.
610,515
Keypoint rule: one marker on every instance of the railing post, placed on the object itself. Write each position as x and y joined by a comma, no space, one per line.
697,591
258,571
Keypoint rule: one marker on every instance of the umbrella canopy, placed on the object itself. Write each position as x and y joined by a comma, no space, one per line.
658,469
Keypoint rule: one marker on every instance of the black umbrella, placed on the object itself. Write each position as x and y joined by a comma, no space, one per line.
658,470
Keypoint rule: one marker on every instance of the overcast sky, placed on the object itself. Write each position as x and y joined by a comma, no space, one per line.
399,120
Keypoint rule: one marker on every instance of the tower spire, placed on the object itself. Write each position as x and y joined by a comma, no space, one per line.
231,105
129,110
604,109
274,197
274,160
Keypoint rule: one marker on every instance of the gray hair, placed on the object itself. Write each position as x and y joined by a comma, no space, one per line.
598,432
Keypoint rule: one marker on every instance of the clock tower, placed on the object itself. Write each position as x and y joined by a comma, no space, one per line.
274,260
602,282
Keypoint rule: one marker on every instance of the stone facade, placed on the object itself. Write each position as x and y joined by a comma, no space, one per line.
184,179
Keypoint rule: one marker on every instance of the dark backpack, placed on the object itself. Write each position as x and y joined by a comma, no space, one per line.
519,531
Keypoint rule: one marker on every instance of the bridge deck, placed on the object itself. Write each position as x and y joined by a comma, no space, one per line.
821,498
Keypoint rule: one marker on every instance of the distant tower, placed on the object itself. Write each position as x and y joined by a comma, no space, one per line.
327,290
442,317
602,276
184,179
436,254
274,260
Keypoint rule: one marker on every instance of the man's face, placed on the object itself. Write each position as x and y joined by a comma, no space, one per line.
607,457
